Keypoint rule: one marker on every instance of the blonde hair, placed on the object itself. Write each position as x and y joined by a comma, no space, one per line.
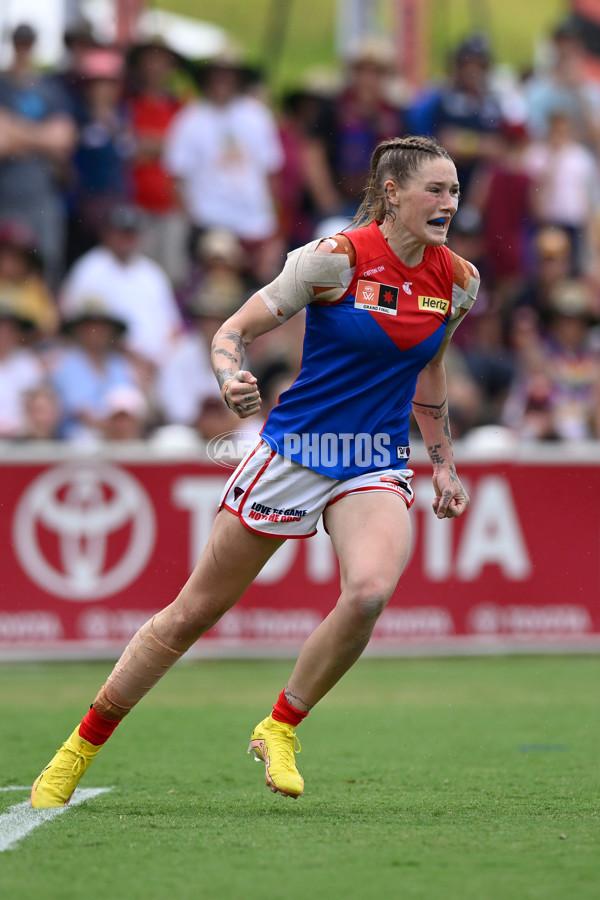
399,159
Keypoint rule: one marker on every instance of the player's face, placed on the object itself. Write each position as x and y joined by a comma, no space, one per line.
426,204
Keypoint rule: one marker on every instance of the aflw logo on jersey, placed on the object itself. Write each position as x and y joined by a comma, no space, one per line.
376,297
434,304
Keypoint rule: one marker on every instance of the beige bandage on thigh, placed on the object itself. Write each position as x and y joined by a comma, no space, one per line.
143,663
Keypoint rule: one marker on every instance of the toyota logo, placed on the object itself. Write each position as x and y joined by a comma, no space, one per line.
84,531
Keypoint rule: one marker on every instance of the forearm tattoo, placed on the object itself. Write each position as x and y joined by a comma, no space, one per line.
446,427
291,697
227,361
434,454
437,411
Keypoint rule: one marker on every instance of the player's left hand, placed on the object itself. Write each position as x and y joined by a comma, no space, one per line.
451,499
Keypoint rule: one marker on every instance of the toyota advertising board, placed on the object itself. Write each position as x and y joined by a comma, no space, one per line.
91,547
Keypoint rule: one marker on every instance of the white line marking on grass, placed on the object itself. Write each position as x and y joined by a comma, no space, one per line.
19,820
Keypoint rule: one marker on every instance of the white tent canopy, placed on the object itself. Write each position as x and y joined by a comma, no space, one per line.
197,40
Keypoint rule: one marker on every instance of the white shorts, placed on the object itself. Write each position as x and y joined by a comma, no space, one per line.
279,497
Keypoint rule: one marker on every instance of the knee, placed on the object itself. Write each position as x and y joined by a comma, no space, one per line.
368,596
181,624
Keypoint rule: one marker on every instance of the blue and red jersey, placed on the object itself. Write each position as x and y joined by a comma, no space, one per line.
348,411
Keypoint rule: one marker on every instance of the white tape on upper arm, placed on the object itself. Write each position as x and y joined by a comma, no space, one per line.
464,298
304,270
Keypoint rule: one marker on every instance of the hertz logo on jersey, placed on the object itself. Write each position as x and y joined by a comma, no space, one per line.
376,297
434,304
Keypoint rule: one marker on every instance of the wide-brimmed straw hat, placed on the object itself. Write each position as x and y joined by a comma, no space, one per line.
229,60
376,52
154,42
10,312
218,297
91,308
573,298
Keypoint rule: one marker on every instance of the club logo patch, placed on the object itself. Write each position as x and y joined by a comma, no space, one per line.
377,297
434,304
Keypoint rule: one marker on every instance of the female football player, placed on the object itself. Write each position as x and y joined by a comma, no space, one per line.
382,301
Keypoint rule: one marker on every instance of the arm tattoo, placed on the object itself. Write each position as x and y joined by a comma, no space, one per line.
447,428
437,411
234,356
220,351
236,339
434,454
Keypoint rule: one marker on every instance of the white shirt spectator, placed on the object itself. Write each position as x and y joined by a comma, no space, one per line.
567,180
223,156
21,371
137,291
185,381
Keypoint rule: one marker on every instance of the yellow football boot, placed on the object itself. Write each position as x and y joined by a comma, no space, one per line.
58,780
275,743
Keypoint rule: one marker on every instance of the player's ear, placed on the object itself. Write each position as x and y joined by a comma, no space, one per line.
390,189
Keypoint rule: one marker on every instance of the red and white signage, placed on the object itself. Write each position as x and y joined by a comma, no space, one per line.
90,549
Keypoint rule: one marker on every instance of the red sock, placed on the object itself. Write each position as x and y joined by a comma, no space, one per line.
95,728
285,712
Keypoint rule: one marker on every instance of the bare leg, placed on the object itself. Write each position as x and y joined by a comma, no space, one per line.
231,560
370,533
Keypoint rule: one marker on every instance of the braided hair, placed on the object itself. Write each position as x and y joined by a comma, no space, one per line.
399,159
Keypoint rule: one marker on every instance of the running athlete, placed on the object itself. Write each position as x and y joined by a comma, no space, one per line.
382,302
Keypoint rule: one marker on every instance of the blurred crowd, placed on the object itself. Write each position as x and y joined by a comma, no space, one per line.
144,197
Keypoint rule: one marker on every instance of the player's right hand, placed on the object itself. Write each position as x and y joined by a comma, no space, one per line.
242,394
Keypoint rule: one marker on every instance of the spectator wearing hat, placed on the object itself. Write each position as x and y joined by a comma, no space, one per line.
550,263
364,115
329,131
186,384
225,152
21,279
20,370
127,414
556,394
134,288
91,366
218,252
466,116
104,153
152,106
37,136
78,39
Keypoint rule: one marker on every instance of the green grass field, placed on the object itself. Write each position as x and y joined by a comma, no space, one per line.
450,778
309,39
